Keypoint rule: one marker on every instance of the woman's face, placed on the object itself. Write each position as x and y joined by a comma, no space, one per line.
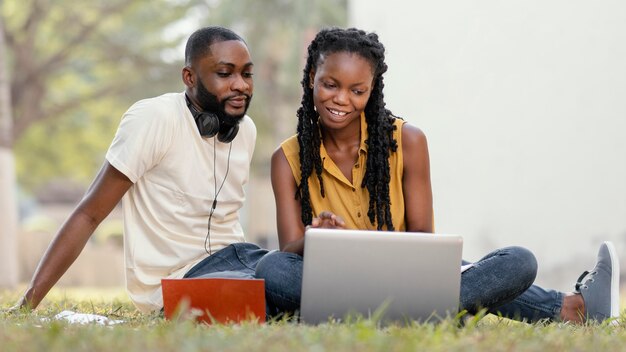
342,84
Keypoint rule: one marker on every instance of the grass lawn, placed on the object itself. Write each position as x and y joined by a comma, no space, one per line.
36,332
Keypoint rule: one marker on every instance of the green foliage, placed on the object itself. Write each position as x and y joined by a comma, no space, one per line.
27,332
68,149
77,66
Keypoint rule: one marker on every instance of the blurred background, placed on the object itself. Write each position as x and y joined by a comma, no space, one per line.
523,104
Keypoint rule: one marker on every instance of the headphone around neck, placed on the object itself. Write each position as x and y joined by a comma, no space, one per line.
210,124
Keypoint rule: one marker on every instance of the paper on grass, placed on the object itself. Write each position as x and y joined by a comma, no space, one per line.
83,318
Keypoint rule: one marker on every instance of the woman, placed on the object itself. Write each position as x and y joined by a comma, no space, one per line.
353,164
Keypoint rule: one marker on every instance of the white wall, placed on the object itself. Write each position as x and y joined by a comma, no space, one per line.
524,106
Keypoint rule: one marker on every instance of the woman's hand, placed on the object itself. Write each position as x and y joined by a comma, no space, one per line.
328,220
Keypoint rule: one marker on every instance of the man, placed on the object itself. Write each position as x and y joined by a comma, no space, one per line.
179,162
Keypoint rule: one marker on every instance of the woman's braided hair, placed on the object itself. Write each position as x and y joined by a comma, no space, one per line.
380,126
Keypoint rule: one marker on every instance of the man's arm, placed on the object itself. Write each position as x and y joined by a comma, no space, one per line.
102,196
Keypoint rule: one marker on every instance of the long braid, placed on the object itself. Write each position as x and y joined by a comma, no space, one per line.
380,142
308,139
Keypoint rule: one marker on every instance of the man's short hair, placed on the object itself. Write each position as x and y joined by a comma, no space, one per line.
199,42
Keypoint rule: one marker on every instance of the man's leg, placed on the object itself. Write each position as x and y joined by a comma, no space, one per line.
239,260
237,257
236,261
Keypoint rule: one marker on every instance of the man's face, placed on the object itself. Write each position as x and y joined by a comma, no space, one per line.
224,80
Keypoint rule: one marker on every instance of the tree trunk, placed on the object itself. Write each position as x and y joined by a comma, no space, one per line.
8,202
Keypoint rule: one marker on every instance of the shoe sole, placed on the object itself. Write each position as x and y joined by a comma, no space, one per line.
615,271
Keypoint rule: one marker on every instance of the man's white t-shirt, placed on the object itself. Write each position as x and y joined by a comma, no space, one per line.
166,211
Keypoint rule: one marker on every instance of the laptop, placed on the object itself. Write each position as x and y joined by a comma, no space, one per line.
392,276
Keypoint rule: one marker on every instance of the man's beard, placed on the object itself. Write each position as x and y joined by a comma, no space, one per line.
209,102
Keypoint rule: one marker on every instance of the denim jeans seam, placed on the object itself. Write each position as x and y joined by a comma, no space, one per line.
558,305
282,297
514,294
242,261
209,262
542,308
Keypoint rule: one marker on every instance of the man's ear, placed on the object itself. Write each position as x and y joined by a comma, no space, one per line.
189,78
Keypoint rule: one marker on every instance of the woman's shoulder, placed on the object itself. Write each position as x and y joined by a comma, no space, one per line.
287,157
290,146
412,136
408,133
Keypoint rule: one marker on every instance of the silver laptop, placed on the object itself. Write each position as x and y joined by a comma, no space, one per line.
392,276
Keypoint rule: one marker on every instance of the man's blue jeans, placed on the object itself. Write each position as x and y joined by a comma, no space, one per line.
501,282
238,260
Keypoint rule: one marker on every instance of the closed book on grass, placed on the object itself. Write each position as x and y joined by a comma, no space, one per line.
218,300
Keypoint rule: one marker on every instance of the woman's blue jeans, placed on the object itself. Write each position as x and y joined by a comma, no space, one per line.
501,282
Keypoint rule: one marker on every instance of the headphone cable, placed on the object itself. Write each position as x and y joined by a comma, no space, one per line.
216,191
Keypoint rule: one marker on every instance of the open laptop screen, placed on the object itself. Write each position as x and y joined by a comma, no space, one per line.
416,276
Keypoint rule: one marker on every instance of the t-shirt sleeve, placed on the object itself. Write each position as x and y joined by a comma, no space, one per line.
251,136
142,138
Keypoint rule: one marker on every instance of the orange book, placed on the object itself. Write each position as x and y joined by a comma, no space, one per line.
218,300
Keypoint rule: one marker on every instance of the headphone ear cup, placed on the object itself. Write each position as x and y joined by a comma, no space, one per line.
208,124
227,133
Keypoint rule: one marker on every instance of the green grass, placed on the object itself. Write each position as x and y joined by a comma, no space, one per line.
28,332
